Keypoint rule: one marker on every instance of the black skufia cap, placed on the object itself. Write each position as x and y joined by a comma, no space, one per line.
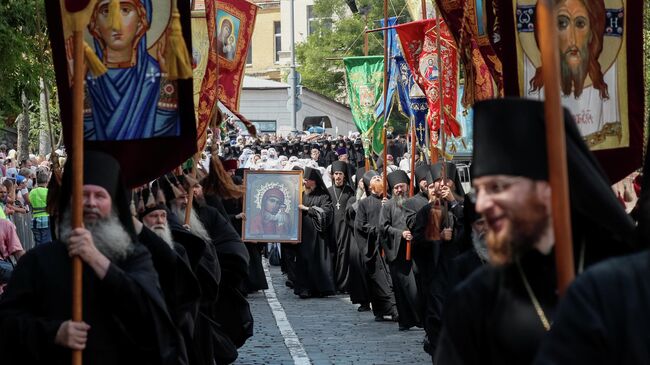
340,166
510,139
398,177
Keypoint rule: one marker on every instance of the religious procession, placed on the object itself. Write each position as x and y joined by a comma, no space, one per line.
207,182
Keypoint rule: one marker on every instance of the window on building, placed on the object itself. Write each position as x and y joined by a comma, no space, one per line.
249,56
277,34
314,23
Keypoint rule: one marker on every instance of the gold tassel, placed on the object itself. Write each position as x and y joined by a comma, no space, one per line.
151,202
190,182
132,205
114,16
140,203
96,67
627,194
177,57
160,196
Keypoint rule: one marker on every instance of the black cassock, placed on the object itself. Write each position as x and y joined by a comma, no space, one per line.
232,311
367,235
129,320
490,318
256,279
392,222
358,279
603,319
313,263
341,235
179,285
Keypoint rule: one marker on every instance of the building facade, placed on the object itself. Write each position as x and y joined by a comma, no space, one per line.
264,102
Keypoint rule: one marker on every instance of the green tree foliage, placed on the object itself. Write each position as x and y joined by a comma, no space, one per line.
343,39
26,55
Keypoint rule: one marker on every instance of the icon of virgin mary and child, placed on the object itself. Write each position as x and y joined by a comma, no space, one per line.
133,100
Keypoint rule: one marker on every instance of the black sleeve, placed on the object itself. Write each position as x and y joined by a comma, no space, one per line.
25,337
578,334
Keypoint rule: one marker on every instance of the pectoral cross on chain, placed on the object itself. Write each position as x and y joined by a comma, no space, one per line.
338,205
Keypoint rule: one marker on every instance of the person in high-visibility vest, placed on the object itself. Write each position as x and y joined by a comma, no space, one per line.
40,217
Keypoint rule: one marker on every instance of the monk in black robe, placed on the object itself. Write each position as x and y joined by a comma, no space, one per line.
367,234
125,321
313,265
501,313
395,234
358,280
179,285
340,193
231,312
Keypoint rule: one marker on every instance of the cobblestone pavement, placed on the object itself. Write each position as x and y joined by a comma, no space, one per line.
329,330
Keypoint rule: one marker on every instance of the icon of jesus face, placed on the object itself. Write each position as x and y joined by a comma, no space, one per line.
575,34
119,43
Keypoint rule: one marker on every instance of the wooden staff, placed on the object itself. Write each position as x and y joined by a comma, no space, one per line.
424,8
413,150
385,96
556,147
77,175
365,53
441,131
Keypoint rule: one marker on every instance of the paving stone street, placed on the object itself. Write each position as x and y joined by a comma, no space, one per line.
323,331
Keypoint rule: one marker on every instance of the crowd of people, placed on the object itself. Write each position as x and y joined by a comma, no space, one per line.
166,273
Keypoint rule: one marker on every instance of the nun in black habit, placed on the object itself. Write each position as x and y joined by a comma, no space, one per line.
394,237
340,193
501,313
124,307
367,233
313,265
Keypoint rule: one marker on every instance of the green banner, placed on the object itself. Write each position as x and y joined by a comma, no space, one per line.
365,82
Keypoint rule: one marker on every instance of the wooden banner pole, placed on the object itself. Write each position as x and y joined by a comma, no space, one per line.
77,176
556,147
385,97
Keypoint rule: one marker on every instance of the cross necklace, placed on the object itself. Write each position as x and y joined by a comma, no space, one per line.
338,205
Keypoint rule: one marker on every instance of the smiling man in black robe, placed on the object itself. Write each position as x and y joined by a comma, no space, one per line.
395,234
501,313
340,193
126,320
367,233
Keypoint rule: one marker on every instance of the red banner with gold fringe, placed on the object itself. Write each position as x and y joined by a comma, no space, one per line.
420,46
230,28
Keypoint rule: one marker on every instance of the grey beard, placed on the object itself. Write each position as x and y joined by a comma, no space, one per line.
308,190
361,193
480,246
196,226
165,233
399,200
109,236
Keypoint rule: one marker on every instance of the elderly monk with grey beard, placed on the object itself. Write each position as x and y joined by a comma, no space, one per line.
395,234
125,318
231,311
178,282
